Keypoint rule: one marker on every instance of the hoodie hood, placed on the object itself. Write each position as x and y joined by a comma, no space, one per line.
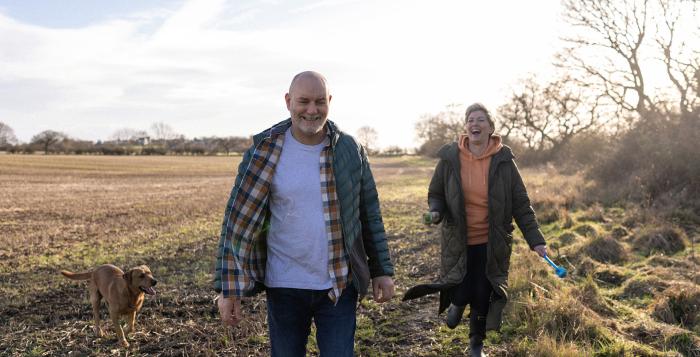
494,145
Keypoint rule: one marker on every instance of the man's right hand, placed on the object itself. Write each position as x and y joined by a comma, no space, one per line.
230,310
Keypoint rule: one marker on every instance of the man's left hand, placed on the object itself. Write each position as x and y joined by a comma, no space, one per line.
540,249
382,288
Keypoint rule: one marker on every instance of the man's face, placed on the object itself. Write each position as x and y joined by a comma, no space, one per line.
308,101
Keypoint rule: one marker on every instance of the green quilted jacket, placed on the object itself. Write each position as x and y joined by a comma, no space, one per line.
362,226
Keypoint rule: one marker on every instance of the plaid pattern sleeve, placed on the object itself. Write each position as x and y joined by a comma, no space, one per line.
244,254
337,256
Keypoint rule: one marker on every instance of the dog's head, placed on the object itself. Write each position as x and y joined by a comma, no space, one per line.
140,278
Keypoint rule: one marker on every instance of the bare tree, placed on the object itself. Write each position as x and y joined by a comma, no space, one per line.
162,131
545,117
681,61
609,52
234,143
47,139
616,30
368,137
126,134
7,136
435,130
393,150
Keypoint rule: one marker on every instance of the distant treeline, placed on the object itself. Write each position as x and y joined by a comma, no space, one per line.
54,142
50,142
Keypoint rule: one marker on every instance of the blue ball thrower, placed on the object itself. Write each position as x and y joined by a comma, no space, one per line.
560,271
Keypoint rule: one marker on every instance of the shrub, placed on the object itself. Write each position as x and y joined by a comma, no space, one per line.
610,274
665,239
685,343
586,267
568,220
606,250
112,150
586,230
652,163
588,293
153,150
642,286
547,346
548,216
583,150
567,238
568,320
619,232
594,214
680,305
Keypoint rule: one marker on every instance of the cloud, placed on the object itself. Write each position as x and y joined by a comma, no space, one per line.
220,67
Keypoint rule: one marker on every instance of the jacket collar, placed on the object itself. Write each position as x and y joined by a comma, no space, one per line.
280,128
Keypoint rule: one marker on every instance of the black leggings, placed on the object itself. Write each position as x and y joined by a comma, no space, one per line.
475,290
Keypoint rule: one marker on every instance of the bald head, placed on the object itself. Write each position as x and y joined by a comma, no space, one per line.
308,76
308,101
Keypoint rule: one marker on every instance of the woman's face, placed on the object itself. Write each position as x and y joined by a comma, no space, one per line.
478,127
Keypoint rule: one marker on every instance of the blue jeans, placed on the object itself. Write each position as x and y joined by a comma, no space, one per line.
289,316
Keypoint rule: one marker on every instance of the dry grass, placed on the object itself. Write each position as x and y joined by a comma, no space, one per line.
680,305
606,250
75,212
665,239
641,287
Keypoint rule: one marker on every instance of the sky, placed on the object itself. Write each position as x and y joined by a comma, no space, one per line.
220,68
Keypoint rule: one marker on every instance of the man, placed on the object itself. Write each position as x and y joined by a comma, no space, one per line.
303,223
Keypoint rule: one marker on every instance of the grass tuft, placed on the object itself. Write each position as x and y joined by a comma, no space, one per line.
665,239
606,250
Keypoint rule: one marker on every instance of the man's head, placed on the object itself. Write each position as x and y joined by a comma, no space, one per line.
308,100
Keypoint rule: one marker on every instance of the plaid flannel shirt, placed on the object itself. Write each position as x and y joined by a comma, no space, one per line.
244,250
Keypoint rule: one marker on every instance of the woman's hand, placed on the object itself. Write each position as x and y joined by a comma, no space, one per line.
540,249
433,217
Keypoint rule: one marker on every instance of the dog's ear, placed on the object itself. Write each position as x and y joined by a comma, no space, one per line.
127,275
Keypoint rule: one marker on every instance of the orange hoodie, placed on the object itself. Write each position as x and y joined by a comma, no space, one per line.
475,186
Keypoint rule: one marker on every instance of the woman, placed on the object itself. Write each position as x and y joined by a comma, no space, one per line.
475,192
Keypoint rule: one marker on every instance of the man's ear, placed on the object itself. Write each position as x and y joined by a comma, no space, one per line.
288,100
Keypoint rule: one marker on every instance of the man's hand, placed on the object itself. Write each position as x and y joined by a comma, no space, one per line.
540,249
382,288
230,310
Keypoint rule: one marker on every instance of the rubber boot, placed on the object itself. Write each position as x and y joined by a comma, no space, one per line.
476,347
454,315
477,333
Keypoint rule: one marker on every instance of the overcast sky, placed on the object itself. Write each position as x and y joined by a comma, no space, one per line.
216,67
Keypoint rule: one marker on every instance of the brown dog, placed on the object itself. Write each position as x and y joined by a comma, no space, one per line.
123,293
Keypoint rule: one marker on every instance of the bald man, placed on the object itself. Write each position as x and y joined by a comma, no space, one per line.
303,224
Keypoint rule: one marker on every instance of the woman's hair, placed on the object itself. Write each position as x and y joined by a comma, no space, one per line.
479,107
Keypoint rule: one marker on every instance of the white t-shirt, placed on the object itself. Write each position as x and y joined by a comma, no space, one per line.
297,242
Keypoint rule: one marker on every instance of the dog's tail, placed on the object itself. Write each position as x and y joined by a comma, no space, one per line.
77,276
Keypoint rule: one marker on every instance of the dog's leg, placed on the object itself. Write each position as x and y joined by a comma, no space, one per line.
95,299
131,320
118,328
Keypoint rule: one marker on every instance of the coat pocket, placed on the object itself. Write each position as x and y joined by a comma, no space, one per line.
451,247
502,248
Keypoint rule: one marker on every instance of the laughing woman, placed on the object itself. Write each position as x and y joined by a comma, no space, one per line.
475,193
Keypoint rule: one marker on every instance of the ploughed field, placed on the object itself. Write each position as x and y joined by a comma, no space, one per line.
632,287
